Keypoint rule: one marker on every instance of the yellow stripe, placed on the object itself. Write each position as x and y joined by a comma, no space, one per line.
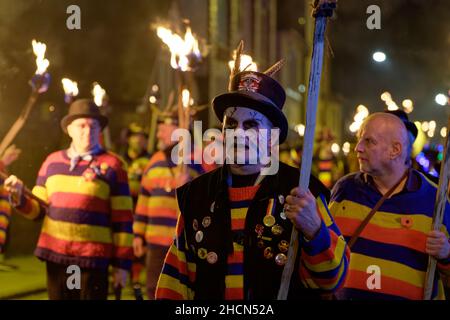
121,203
339,252
240,213
123,239
139,228
167,282
159,172
323,211
158,202
383,219
4,220
5,206
234,281
388,268
40,192
76,232
77,184
159,231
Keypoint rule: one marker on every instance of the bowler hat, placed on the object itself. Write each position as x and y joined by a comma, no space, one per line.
83,108
410,126
257,91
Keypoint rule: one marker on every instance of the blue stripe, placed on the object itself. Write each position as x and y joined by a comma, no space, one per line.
173,272
330,274
240,204
235,269
409,257
122,227
79,216
156,192
167,222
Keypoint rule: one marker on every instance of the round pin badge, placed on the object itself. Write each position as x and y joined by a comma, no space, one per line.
211,257
202,253
199,236
281,259
206,221
269,221
195,224
283,246
277,229
259,229
260,243
268,253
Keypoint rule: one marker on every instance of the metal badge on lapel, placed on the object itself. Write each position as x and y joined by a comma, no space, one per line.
202,253
283,246
269,221
277,229
281,259
211,257
206,222
195,224
211,208
199,236
259,229
281,199
268,253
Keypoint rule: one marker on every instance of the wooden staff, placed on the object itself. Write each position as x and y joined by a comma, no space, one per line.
438,215
27,192
322,10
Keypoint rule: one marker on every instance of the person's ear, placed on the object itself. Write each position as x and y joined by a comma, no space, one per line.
396,150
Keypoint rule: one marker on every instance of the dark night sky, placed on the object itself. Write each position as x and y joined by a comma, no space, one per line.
116,48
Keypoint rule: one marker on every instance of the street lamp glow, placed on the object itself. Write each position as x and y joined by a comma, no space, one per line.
441,99
379,56
335,148
444,132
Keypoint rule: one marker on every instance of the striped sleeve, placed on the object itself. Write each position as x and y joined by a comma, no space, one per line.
141,217
121,220
444,264
30,208
324,259
179,270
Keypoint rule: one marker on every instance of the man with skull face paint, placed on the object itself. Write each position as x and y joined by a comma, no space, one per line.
234,229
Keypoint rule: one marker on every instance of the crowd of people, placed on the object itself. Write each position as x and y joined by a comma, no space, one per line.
223,232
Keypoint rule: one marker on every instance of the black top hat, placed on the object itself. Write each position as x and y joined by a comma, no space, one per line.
410,126
257,91
83,108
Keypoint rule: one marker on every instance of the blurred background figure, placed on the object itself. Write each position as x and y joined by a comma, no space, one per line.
136,157
9,156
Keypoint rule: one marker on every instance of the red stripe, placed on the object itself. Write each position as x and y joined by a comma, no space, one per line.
79,201
234,294
121,216
165,293
244,193
74,248
238,224
358,279
160,241
236,257
172,260
399,236
324,255
121,252
156,212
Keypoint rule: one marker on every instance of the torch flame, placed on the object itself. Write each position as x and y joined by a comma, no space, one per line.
186,98
39,51
180,48
99,94
70,87
247,63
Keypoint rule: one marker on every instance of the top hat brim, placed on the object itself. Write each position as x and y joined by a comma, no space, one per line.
103,121
255,101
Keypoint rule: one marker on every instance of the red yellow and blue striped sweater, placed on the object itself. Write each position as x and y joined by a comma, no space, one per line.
5,216
89,220
156,212
323,265
393,241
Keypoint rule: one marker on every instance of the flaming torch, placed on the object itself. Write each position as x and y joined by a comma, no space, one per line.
101,100
185,57
39,84
70,90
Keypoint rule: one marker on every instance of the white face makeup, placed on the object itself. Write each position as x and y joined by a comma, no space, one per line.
246,132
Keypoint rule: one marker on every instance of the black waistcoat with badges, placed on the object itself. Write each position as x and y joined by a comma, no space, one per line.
204,205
